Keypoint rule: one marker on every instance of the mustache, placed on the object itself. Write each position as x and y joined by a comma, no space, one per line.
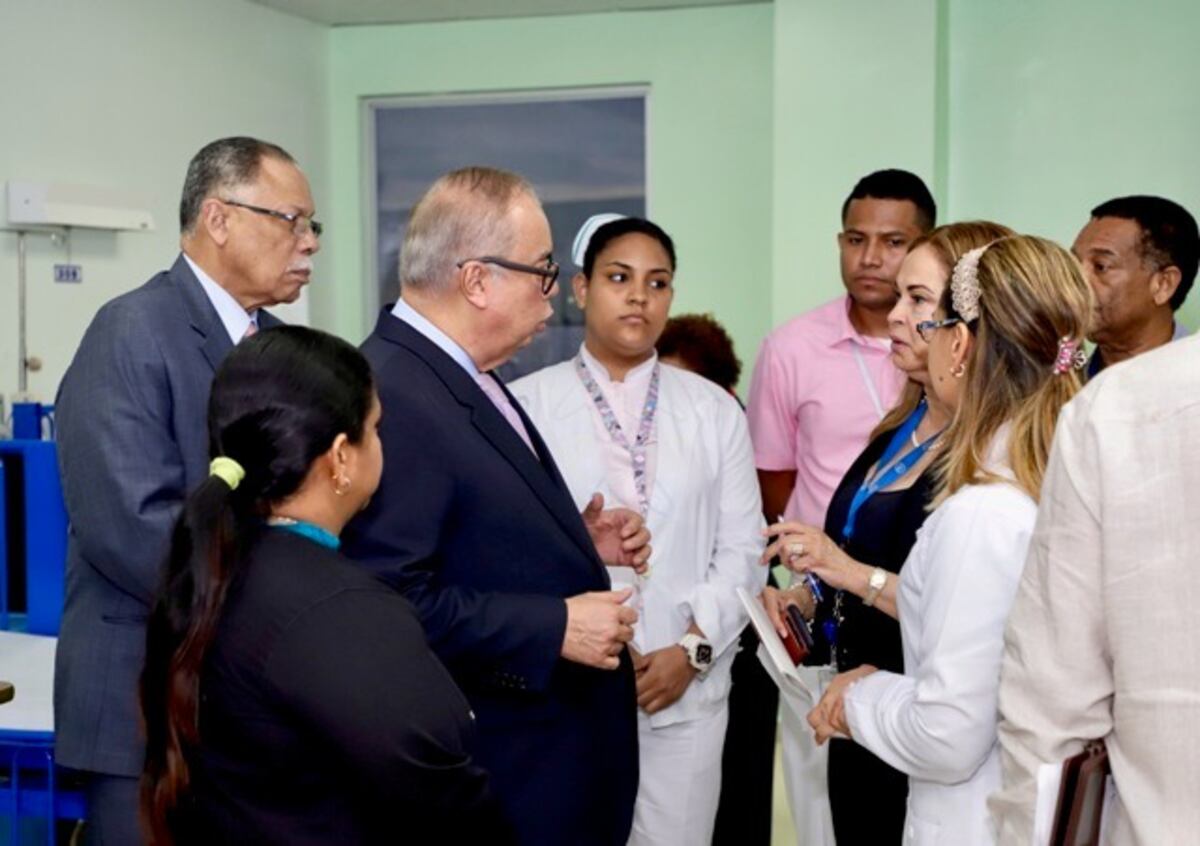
306,266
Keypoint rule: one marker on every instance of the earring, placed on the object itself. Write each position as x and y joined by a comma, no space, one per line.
341,484
959,371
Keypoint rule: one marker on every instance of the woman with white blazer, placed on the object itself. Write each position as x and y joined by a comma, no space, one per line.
1004,353
675,447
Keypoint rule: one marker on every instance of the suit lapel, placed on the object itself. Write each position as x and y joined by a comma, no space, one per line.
214,340
543,477
563,504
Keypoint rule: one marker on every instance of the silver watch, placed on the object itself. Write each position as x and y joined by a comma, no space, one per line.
699,652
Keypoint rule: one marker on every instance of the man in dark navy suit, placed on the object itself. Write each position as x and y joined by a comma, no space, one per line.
133,440
474,524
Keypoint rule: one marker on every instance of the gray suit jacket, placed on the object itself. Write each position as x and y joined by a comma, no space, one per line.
132,440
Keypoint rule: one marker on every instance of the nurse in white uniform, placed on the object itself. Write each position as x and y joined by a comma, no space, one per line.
675,447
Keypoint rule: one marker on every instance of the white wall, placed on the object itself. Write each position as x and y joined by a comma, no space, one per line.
122,93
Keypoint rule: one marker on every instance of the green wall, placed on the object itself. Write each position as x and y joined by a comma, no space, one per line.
709,71
1057,106
761,118
855,90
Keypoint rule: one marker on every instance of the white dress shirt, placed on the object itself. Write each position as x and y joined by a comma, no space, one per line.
403,311
234,318
937,722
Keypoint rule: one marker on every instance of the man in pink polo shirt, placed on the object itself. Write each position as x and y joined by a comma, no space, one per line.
821,383
824,379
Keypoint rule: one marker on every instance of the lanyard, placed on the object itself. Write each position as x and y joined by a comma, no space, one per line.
890,467
306,530
637,449
867,380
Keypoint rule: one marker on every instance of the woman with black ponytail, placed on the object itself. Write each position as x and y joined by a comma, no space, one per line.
288,696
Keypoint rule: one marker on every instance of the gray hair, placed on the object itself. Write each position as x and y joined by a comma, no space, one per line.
220,166
463,215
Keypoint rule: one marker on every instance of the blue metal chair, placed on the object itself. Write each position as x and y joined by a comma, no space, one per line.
29,784
3,551
33,467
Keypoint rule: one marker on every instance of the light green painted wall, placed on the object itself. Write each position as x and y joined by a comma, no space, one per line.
709,71
762,116
1057,106
122,94
855,87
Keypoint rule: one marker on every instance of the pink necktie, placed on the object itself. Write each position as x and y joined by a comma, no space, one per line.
496,394
250,330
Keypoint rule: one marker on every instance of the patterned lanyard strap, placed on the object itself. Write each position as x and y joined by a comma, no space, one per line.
636,450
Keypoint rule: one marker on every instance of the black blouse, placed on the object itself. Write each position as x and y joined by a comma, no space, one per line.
324,716
885,530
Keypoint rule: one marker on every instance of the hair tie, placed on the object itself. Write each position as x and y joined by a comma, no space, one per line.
227,470
1070,356
584,236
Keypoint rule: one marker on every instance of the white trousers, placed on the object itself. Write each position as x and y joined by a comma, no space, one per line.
680,781
804,768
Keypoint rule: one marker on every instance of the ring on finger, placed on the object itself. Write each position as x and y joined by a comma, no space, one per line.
795,550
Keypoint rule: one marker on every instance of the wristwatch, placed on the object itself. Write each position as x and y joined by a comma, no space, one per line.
699,652
875,586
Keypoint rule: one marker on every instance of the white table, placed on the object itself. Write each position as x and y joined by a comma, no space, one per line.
27,661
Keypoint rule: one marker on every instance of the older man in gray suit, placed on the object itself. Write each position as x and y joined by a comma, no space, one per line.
132,437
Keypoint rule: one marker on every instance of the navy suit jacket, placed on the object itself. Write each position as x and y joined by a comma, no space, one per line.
132,418
484,540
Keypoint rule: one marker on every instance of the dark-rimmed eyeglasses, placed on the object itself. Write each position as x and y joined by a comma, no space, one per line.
926,328
301,224
549,273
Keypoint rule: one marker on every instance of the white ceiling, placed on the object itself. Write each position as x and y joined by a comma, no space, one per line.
355,12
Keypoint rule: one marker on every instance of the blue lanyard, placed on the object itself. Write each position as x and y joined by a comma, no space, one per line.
890,467
307,530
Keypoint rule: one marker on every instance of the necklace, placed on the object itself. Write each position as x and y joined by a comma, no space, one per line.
305,529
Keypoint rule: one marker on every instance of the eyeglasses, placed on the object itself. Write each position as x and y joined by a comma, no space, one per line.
926,328
549,273
301,224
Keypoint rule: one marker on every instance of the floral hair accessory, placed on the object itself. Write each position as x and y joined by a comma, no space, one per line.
964,284
1070,356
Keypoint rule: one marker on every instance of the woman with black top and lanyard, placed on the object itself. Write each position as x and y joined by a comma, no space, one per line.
870,526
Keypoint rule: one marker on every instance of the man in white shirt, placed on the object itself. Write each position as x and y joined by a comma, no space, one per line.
132,440
1104,639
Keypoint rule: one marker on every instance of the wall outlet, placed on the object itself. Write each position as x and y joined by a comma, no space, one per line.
68,273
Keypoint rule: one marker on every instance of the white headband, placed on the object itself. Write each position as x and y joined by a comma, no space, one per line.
584,236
